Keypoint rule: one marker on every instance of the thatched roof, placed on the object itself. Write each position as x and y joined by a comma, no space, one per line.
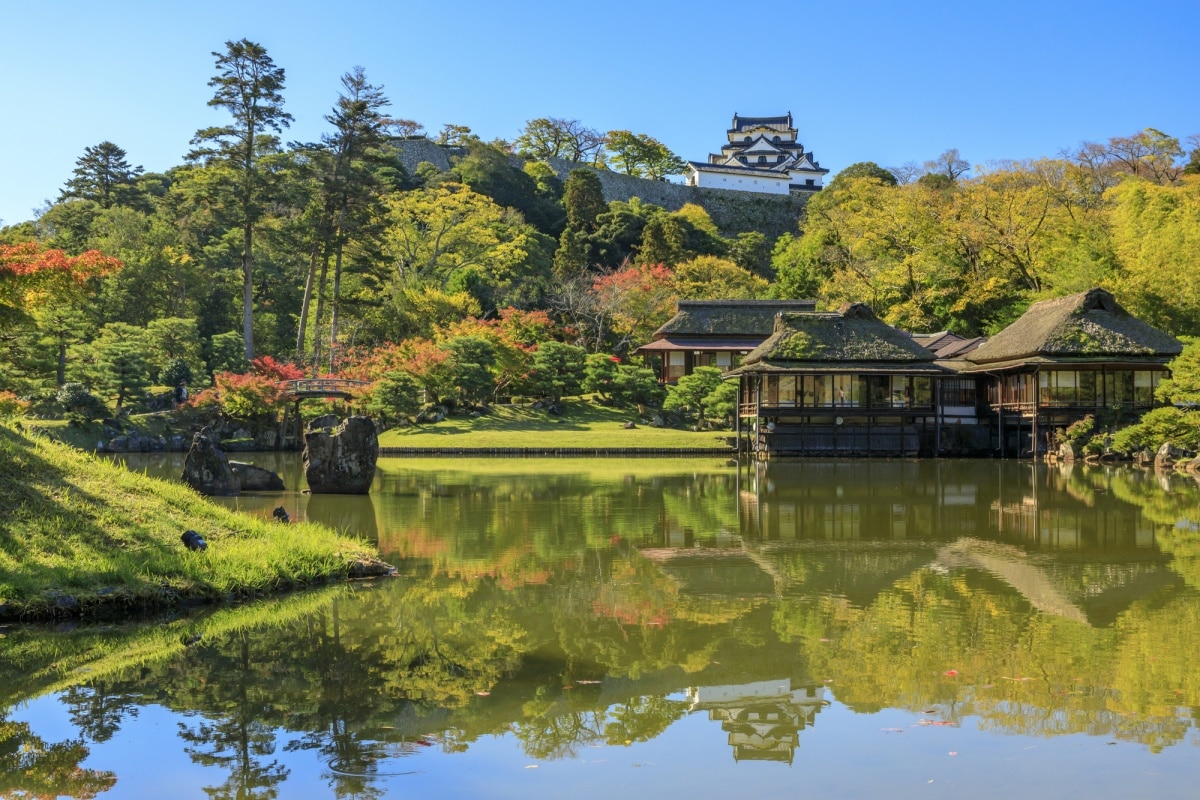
1087,326
853,337
729,317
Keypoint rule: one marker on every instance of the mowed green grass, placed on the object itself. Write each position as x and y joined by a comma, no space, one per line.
80,535
582,425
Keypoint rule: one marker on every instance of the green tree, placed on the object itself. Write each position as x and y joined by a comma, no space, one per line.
121,367
102,174
568,139
712,278
689,393
350,196
249,86
636,386
396,394
643,156
171,339
599,373
472,362
490,172
865,169
557,370
1183,387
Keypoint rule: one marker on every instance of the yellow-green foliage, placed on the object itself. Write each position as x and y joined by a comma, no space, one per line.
78,534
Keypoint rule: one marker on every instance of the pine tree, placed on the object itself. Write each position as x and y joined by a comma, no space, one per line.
249,86
99,175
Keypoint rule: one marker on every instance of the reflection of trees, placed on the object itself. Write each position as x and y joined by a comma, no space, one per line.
97,711
517,596
31,767
238,737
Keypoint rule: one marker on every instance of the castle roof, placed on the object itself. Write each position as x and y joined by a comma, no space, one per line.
783,123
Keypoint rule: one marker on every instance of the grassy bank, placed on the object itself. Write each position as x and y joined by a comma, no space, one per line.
81,536
582,425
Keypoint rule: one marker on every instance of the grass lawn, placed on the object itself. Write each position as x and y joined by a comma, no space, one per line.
80,535
582,425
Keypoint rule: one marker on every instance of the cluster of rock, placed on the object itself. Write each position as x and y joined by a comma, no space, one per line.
1168,457
242,436
339,458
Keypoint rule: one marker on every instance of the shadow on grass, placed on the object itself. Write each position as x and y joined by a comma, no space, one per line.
49,518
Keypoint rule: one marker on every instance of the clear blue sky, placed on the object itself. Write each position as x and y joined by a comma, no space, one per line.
889,82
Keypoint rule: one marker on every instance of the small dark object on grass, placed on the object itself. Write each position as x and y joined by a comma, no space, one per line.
280,514
193,639
193,541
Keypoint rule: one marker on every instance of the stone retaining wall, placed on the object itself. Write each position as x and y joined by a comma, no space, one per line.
733,211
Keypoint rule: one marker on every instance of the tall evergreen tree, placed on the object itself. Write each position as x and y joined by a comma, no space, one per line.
99,175
349,192
249,86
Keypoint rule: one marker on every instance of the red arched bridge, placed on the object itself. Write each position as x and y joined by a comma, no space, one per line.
305,388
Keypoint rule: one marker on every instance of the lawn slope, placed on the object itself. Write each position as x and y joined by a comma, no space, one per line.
79,535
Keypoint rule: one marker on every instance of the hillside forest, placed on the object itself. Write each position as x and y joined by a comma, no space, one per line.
258,256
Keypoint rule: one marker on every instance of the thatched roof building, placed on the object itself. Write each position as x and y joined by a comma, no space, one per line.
1087,327
851,339
715,333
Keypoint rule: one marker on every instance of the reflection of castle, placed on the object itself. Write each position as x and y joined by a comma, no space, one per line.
763,719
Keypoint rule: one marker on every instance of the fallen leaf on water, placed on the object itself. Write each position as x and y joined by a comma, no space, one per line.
929,711
531,766
483,694
951,672
953,752
892,730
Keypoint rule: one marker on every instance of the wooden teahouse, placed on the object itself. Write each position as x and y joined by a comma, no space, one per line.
839,383
1067,358
714,333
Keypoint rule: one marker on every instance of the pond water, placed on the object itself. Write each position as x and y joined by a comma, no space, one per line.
592,628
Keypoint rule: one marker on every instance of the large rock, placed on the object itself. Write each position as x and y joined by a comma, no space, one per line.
1066,453
341,460
256,479
206,469
1166,456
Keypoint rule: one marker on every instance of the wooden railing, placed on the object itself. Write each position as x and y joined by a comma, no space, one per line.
322,387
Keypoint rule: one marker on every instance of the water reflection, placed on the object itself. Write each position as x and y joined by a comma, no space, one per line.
570,607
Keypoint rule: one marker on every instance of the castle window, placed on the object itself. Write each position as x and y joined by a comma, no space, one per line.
762,159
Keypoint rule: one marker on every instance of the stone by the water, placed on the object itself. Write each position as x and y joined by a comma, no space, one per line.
342,460
207,470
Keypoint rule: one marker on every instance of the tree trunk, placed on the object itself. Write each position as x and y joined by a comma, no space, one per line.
248,290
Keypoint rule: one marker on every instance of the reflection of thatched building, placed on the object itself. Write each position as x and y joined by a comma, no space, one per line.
763,719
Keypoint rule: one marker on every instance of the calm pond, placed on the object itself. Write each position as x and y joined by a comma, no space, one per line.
605,628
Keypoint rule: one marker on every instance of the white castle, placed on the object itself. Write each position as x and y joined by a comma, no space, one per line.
762,156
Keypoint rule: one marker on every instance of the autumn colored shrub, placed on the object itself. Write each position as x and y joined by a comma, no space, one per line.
11,405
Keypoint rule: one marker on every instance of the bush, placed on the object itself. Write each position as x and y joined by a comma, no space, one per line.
1077,432
176,371
1168,424
11,405
79,404
396,394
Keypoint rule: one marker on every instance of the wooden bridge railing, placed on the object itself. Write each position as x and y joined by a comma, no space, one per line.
322,387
